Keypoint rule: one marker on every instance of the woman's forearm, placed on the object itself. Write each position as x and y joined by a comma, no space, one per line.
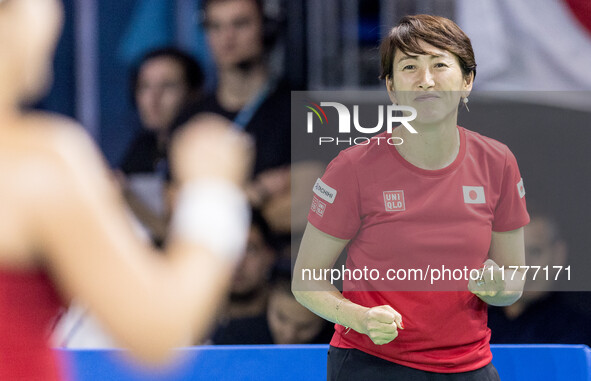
325,300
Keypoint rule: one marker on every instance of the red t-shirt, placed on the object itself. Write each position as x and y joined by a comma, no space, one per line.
29,306
399,216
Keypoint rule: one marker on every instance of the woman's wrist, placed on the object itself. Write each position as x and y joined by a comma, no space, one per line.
350,315
214,214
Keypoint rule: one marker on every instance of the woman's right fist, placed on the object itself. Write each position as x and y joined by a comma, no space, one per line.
209,147
381,324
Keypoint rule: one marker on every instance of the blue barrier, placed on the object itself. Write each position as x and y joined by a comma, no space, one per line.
219,363
308,362
542,362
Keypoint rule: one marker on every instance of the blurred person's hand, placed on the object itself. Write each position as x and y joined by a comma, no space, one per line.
208,147
277,212
271,192
275,180
269,184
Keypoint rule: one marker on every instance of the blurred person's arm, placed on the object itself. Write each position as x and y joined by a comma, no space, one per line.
503,285
319,251
150,303
157,224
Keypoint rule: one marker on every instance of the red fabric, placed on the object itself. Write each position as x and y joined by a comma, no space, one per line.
581,9
429,223
28,308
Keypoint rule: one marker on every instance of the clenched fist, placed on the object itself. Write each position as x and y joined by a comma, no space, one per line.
491,281
208,147
381,324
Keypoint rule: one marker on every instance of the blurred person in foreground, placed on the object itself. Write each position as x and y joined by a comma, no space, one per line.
164,81
541,315
65,233
445,196
284,321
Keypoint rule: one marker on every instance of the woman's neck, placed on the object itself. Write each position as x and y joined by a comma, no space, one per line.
237,87
433,147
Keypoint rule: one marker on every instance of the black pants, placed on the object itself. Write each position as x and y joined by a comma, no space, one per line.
355,365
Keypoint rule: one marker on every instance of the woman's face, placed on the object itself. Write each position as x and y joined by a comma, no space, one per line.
35,26
161,92
432,83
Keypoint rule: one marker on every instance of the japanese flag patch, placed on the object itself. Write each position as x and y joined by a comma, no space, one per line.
473,195
521,188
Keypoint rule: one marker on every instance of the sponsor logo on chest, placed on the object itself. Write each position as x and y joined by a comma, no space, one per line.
394,201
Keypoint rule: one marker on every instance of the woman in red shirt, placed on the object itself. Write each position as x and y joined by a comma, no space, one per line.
446,196
65,232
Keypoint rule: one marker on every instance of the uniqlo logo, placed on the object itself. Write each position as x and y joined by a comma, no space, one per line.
394,201
318,206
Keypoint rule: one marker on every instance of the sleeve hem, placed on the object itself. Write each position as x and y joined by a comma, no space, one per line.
328,231
507,228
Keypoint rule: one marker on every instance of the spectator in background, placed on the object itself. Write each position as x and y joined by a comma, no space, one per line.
284,322
164,81
249,291
250,94
541,316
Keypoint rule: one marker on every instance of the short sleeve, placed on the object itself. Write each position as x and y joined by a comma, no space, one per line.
510,212
335,203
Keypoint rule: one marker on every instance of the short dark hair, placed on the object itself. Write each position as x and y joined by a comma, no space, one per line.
435,30
272,26
193,73
259,5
